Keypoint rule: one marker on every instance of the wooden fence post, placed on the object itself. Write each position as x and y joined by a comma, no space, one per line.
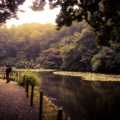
4,75
27,87
14,76
26,83
17,77
66,117
41,104
59,114
32,90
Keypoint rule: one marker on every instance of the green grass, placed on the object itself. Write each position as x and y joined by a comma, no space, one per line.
50,111
91,76
1,76
33,79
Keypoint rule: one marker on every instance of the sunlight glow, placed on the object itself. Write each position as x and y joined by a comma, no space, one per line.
29,16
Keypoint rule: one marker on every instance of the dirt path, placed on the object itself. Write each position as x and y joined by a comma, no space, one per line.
14,105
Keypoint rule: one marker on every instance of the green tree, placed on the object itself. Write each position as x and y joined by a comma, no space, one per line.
50,58
78,50
102,15
35,37
8,9
107,60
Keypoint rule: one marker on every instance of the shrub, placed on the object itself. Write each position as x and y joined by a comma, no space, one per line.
32,79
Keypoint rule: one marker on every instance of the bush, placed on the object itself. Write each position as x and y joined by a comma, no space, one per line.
32,79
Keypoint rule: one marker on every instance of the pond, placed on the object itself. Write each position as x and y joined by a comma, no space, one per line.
83,100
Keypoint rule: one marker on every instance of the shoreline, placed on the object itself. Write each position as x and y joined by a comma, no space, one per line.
90,76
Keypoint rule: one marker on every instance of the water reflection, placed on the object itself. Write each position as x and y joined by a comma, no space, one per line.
83,100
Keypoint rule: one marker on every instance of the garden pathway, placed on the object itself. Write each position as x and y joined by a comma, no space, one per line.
14,105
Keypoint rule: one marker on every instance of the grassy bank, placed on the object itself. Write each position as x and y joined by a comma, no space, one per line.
91,76
50,111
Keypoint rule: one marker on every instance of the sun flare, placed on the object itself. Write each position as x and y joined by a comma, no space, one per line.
29,16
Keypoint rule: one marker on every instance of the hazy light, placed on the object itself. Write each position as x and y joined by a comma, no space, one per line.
29,16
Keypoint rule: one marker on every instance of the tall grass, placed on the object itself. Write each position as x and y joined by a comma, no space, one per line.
32,78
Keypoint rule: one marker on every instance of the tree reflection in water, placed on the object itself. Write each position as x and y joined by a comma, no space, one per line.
83,100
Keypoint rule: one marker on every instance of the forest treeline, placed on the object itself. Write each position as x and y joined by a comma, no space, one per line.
72,48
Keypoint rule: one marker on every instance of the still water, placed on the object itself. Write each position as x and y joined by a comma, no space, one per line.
83,100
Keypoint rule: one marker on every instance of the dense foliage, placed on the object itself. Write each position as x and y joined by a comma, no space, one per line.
102,15
42,46
32,79
8,9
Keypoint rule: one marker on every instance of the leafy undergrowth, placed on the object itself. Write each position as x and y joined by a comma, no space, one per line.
91,76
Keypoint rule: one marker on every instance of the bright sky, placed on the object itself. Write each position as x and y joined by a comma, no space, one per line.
46,16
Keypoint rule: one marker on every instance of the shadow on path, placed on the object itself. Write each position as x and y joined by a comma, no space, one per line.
13,103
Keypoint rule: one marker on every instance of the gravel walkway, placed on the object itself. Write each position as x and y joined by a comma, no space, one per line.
14,105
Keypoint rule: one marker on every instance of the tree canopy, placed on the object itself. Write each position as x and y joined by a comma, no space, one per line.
102,15
8,9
